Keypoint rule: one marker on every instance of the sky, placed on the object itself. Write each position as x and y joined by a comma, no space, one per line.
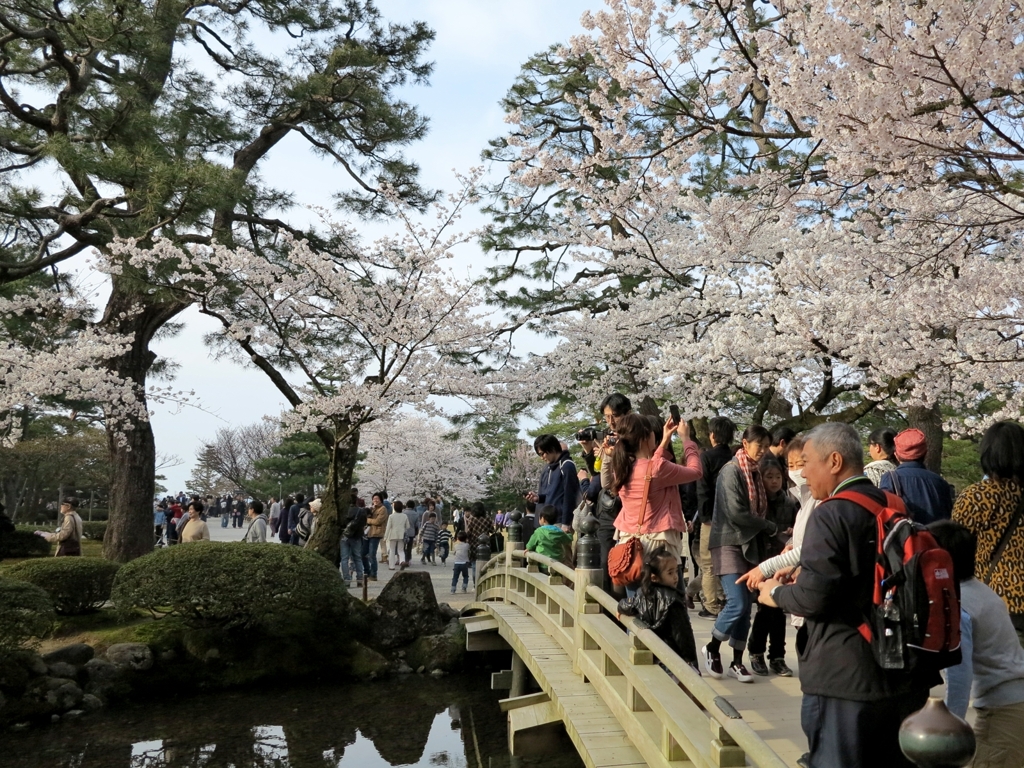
479,48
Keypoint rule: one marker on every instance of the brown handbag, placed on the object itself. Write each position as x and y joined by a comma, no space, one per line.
626,560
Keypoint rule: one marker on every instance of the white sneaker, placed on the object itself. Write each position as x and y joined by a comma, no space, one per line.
711,664
740,673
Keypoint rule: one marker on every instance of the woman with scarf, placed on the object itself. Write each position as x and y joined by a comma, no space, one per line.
738,542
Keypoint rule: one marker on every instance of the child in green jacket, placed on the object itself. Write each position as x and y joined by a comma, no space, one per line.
550,540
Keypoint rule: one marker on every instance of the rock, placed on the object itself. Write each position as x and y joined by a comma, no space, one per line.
135,656
77,655
20,727
420,669
63,669
14,675
437,673
105,680
46,695
211,655
168,655
35,665
405,610
447,612
73,714
54,718
91,703
366,663
404,669
444,651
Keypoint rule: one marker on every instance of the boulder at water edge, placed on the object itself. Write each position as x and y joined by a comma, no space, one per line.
405,610
76,655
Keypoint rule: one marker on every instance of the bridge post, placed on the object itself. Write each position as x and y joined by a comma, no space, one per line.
588,571
512,543
482,555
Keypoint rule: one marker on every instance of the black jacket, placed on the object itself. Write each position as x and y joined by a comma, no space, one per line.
664,611
711,462
834,593
732,523
354,523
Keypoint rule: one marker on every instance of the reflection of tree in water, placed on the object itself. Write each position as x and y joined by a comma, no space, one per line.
307,728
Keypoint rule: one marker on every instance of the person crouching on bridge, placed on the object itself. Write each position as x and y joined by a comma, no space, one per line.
661,606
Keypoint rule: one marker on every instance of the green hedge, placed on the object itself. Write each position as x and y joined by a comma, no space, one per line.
23,543
95,529
26,614
76,585
229,584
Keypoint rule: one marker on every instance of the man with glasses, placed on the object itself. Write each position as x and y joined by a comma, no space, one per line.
559,485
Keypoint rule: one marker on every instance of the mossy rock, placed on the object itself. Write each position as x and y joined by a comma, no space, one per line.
365,663
445,652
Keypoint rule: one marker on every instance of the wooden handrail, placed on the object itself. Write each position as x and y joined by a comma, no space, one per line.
554,566
717,706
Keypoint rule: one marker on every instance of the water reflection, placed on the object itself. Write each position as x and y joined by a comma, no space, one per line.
412,721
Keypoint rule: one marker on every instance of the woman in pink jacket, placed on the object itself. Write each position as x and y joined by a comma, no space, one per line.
638,455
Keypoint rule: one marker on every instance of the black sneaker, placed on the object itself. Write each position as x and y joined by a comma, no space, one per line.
757,664
713,664
704,613
778,666
804,761
740,673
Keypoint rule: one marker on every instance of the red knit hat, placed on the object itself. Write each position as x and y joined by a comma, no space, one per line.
911,445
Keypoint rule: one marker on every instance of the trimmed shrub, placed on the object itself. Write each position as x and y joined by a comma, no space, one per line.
229,585
23,544
26,614
94,529
76,585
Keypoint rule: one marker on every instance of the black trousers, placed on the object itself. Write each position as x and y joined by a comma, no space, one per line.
769,624
857,734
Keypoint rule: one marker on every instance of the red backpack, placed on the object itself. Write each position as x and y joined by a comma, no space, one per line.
915,616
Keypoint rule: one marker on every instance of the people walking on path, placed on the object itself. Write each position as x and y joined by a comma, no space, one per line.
376,520
195,529
256,533
394,536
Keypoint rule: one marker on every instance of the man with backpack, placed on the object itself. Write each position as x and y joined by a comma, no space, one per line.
852,707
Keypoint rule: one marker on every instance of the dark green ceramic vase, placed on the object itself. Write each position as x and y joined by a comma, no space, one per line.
933,737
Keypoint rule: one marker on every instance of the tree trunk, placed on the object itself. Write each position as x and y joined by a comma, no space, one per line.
929,421
133,456
335,500
12,498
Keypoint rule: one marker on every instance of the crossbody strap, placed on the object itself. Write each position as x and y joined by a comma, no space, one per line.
1004,540
643,502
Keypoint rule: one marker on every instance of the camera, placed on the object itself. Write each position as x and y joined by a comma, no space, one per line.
592,433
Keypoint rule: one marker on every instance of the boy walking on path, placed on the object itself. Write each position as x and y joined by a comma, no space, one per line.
444,542
462,556
428,538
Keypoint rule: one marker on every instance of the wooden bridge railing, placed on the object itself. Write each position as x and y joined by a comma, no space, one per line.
669,712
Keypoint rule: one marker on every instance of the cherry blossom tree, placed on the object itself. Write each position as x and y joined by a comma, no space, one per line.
347,337
703,236
419,456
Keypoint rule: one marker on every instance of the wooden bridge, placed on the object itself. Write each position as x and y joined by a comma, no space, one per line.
610,687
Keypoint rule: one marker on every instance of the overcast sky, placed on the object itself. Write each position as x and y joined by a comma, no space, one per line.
479,48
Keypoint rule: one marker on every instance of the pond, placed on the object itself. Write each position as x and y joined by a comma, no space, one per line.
405,721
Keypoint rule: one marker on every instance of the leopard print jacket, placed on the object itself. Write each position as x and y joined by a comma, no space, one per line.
986,508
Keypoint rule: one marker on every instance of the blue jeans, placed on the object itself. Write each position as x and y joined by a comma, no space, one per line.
351,548
462,568
370,556
733,622
428,550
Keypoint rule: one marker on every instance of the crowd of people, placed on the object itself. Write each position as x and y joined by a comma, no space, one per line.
782,528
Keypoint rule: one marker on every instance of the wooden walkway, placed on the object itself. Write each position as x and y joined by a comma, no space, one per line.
595,731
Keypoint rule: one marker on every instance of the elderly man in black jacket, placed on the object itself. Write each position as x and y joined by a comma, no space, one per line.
852,708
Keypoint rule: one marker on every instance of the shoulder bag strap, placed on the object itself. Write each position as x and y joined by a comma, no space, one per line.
643,502
1004,540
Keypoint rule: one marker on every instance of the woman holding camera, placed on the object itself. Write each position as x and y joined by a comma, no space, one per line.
642,468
